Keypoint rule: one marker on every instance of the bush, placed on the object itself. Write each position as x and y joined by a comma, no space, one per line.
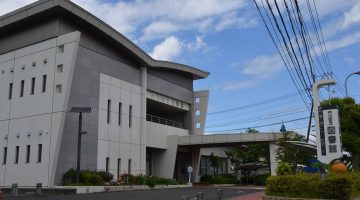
283,168
91,178
106,176
302,185
145,180
218,179
87,177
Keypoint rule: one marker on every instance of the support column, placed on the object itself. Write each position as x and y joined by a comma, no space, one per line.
143,121
273,162
196,164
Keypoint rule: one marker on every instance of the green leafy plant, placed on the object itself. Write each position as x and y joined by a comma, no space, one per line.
283,168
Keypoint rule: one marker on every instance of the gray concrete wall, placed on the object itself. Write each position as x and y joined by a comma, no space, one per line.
85,92
27,35
177,78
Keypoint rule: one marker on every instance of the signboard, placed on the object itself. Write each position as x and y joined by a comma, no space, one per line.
328,136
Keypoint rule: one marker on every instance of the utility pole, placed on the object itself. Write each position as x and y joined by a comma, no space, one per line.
79,110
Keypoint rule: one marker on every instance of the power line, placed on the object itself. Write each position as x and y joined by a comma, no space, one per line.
259,126
237,122
280,98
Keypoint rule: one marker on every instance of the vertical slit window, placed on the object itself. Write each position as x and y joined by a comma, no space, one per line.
39,153
17,148
120,111
107,164
118,168
10,90
129,166
22,84
44,83
108,111
32,86
5,155
130,116
27,154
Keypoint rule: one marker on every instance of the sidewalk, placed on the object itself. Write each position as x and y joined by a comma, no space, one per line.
253,196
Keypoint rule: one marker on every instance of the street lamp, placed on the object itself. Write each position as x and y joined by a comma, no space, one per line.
79,110
346,89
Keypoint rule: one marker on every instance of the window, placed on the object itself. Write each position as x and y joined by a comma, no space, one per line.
44,83
17,154
27,154
22,88
60,68
5,155
108,111
107,164
10,90
118,168
129,166
39,153
198,125
58,88
120,111
197,112
197,100
32,86
130,116
61,49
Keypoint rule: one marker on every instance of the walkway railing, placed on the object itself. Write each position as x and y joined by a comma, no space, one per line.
168,122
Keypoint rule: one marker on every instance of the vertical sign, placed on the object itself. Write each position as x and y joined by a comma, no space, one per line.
329,132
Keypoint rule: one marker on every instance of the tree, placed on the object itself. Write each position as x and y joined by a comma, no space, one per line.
350,126
285,154
251,153
215,162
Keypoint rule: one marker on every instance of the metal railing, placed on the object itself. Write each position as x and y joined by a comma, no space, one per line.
167,122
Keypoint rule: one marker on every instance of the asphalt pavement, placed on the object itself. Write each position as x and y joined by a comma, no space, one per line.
210,193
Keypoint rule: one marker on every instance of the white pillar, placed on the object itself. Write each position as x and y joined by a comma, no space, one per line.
316,102
273,162
143,121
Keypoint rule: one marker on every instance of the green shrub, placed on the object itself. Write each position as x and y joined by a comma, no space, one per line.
106,176
145,180
87,177
91,178
283,168
218,179
335,186
261,179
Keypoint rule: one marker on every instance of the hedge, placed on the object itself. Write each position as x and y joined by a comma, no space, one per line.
335,186
218,179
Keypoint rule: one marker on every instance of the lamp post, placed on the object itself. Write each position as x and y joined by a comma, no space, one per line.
346,89
79,110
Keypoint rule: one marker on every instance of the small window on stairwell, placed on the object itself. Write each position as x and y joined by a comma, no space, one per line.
198,125
197,100
197,112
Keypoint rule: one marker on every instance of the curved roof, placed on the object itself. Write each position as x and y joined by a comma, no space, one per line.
44,5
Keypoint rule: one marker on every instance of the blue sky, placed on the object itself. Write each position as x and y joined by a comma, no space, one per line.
228,39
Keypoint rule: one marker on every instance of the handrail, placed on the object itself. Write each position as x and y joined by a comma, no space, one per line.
164,121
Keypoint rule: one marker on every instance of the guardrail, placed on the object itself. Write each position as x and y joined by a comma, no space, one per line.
164,121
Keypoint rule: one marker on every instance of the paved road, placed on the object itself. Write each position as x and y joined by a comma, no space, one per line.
164,194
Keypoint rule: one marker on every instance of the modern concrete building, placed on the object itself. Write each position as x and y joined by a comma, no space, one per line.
54,55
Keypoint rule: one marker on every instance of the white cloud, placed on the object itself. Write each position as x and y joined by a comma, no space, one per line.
168,49
342,42
263,66
161,17
198,44
158,29
238,85
352,17
232,20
